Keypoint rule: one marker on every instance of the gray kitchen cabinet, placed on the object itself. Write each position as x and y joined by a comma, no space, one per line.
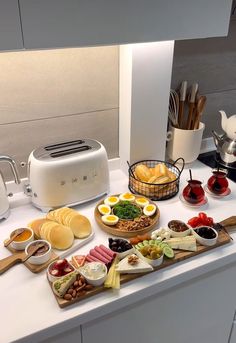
67,23
10,26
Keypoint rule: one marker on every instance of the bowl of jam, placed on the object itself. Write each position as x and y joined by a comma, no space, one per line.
23,239
178,228
42,255
205,235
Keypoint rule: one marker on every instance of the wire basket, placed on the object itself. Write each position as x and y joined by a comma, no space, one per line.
155,191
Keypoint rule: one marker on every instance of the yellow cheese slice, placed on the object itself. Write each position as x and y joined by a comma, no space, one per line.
110,275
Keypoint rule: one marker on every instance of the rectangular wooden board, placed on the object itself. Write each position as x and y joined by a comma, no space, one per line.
223,238
56,254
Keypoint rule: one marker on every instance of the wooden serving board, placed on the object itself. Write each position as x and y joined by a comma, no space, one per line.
56,254
180,255
113,230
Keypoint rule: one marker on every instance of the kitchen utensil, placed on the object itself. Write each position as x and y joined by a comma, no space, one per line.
182,97
184,143
10,261
226,143
4,203
200,105
173,108
68,173
191,99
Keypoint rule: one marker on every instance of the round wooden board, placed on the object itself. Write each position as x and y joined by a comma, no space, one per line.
127,234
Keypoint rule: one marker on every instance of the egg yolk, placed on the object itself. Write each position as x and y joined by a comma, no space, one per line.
111,218
141,200
150,208
128,196
104,209
112,199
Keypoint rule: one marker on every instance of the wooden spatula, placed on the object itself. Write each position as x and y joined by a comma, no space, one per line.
16,234
10,261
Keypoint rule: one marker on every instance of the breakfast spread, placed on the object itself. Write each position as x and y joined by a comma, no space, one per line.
108,266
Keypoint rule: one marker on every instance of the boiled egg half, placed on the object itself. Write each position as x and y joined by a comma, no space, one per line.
104,209
141,202
110,219
127,197
149,210
111,201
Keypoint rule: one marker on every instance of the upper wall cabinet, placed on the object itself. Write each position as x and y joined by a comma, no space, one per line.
10,27
67,23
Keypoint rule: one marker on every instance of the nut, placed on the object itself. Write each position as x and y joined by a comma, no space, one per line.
76,283
88,287
67,296
74,294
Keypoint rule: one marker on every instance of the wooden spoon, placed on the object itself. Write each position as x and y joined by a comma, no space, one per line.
16,234
200,108
10,261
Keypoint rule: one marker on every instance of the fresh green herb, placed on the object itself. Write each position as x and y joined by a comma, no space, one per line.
126,210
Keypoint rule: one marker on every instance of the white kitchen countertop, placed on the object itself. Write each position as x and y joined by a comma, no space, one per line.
28,306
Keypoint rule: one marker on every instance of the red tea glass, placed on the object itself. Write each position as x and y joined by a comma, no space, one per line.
193,192
218,183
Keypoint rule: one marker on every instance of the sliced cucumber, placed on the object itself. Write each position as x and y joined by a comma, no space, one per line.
168,252
140,245
137,246
163,245
151,242
157,242
145,242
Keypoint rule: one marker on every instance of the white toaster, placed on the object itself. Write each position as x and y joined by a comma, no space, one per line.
67,174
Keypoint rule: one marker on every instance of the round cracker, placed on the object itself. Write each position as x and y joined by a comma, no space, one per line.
61,237
80,225
61,214
50,215
36,224
68,217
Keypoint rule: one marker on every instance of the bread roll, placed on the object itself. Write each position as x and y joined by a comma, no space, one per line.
143,172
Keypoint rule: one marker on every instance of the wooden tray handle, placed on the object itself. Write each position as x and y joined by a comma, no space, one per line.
229,223
10,261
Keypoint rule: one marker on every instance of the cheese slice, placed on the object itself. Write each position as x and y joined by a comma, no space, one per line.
124,267
183,243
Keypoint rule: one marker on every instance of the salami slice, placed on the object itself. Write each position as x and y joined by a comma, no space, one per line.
90,258
94,253
107,251
103,253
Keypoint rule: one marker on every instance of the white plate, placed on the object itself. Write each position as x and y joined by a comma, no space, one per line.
225,194
202,203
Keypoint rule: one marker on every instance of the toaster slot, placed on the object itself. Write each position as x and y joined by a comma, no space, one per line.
63,145
70,151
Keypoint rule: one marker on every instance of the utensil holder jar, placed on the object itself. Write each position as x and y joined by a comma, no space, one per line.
156,191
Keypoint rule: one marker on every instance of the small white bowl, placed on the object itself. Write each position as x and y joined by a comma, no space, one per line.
41,258
53,278
21,245
153,263
95,282
181,233
205,241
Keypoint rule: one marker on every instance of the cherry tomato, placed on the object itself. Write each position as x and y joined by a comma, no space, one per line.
194,222
209,221
202,216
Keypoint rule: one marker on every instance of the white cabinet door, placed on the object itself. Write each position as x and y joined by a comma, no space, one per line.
10,27
198,311
65,23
